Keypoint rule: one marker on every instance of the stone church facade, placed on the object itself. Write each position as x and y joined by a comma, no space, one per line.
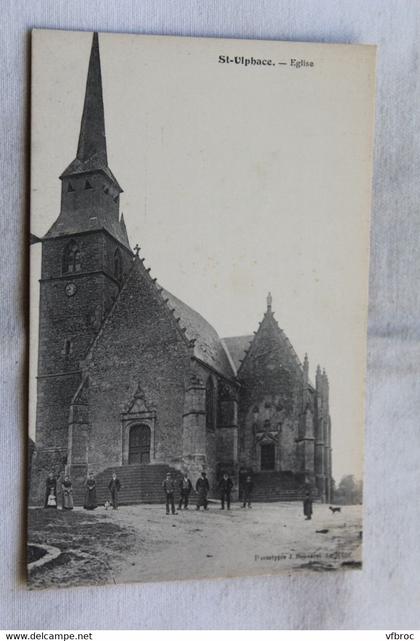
132,379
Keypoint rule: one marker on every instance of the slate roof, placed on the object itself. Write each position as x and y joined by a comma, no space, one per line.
208,346
236,346
78,221
92,164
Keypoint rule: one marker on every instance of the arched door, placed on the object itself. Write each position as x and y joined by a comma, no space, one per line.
139,444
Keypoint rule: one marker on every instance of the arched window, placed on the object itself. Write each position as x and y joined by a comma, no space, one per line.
71,258
117,265
210,404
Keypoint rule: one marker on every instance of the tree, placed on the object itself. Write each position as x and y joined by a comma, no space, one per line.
349,491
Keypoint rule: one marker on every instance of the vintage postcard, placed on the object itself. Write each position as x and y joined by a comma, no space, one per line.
199,283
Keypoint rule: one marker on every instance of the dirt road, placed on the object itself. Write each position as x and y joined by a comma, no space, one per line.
268,538
141,543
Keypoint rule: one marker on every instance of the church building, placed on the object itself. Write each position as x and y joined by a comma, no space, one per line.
132,380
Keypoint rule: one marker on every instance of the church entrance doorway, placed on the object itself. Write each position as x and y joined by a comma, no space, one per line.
268,456
139,444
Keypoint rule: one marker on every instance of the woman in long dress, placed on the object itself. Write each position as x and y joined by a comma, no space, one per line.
67,489
90,495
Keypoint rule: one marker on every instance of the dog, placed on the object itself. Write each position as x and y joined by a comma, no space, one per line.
334,509
107,505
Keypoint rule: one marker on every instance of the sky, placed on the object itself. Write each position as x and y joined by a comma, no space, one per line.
238,180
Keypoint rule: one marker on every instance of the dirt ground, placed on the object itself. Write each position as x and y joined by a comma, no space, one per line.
141,543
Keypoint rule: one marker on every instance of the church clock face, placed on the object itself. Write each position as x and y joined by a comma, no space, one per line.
70,289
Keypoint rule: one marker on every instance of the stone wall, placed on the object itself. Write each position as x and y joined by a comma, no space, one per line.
139,345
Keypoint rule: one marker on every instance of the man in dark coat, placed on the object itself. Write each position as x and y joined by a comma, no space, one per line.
50,491
307,505
247,488
202,488
185,488
225,487
169,489
114,487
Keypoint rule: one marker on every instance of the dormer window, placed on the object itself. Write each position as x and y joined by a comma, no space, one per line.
88,185
70,187
71,258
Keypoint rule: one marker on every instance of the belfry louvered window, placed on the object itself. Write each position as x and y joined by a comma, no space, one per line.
71,258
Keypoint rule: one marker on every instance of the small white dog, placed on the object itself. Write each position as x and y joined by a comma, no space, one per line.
107,505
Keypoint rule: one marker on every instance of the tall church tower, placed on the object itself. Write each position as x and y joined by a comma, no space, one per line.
85,257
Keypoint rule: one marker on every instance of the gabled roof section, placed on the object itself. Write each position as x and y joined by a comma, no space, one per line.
268,326
200,337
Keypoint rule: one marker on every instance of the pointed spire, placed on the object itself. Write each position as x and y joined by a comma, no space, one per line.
92,141
306,368
318,377
91,149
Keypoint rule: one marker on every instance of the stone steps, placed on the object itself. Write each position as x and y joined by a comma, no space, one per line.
139,484
142,483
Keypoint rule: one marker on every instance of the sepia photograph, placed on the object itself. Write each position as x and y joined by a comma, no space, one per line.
198,307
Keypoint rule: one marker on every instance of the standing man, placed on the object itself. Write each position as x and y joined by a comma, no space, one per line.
225,487
185,487
169,489
114,487
248,486
307,505
202,488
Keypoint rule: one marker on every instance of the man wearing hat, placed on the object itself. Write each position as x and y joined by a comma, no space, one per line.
169,489
202,488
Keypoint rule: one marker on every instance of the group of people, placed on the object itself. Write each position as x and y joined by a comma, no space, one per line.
202,489
54,485
169,485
